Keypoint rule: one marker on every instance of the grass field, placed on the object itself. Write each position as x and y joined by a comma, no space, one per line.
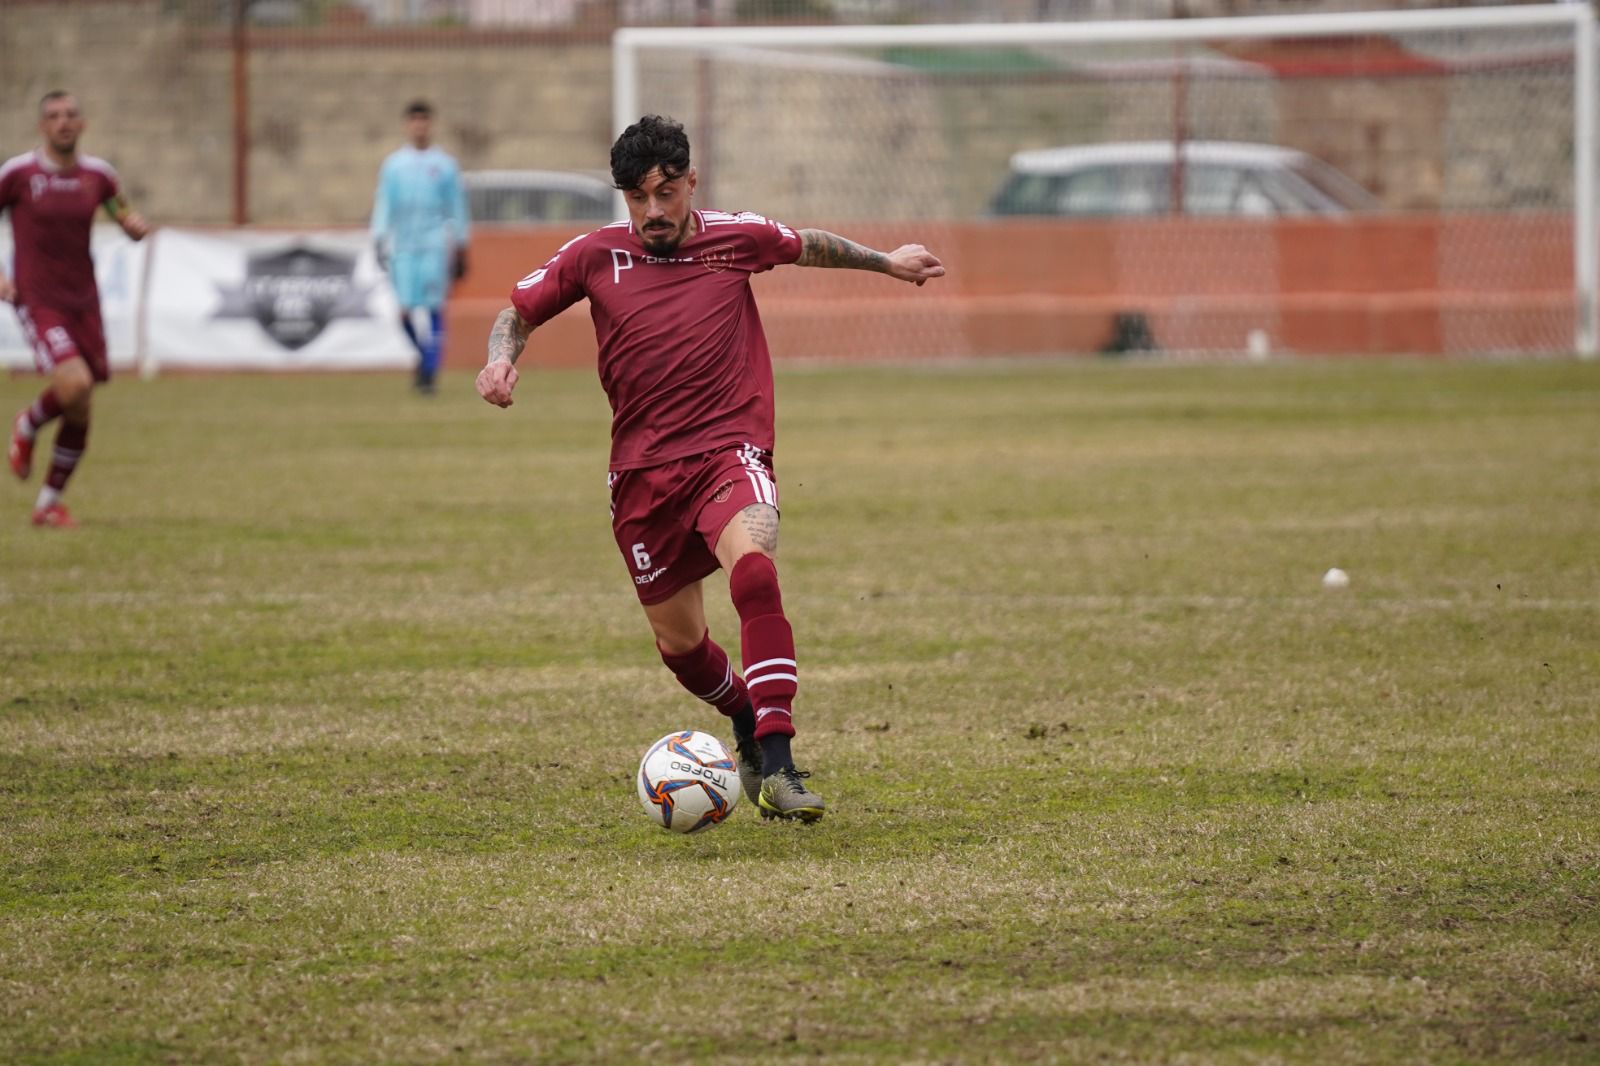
316,740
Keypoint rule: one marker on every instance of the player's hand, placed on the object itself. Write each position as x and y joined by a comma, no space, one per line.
458,264
135,226
914,263
381,254
496,381
8,291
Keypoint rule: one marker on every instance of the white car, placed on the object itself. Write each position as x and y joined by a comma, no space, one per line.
1142,178
522,196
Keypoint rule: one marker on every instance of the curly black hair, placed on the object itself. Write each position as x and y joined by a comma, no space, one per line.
651,142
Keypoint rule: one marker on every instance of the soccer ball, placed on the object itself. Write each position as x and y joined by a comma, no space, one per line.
688,781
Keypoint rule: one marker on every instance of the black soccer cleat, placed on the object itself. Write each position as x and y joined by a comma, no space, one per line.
784,795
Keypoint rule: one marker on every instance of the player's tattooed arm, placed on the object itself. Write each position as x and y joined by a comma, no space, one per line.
508,336
506,341
909,262
819,248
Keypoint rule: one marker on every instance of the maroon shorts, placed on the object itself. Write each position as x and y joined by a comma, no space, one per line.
667,518
56,336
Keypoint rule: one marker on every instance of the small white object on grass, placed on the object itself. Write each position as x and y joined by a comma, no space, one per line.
1335,579
1258,344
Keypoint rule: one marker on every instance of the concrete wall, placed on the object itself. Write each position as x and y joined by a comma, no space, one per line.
1375,285
157,90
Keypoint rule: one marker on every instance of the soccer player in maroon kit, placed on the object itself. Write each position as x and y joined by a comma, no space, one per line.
53,193
684,362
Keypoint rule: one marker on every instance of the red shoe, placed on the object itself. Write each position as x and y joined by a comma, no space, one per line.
20,454
55,516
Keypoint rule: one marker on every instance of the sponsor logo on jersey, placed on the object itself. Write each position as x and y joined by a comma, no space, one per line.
645,579
295,292
39,184
718,259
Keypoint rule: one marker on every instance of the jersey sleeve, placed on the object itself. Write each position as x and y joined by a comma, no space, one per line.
552,288
10,184
775,243
111,193
380,206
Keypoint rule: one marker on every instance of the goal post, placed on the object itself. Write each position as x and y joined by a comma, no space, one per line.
1418,182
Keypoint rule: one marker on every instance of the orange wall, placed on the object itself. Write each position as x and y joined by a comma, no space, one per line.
1419,284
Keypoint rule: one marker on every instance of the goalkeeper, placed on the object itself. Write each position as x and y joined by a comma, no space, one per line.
419,231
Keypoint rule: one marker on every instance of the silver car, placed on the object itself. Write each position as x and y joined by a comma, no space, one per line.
1217,178
522,196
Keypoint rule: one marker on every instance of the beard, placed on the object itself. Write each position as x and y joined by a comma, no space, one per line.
662,241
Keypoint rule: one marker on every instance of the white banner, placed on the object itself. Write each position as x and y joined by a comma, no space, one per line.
239,300
119,266
251,300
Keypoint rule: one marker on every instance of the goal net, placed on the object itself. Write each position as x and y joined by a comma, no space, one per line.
1378,183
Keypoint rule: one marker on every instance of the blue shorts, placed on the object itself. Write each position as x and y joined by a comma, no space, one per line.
420,279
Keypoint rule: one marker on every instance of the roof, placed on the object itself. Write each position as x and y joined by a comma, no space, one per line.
1071,157
536,179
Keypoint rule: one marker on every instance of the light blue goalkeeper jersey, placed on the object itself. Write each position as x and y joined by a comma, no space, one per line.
419,218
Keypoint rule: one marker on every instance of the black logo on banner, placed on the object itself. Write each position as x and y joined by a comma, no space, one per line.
294,294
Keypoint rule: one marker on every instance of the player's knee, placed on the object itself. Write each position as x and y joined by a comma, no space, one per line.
73,384
677,632
753,585
676,642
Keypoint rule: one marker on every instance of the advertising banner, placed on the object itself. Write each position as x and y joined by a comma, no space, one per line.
271,301
239,300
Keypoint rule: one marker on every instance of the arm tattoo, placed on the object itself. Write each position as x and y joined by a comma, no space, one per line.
760,520
819,248
508,336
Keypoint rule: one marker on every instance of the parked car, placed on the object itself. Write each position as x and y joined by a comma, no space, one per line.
1136,178
513,196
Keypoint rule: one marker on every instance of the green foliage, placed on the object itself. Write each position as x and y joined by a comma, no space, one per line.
316,740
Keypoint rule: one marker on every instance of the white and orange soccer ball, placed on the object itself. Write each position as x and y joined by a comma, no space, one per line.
688,781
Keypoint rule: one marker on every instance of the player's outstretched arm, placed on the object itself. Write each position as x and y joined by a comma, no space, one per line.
909,262
507,338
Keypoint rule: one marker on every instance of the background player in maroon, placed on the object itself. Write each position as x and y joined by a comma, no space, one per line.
684,362
53,193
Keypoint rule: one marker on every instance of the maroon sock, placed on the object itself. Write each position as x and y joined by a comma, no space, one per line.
766,642
71,439
706,673
41,411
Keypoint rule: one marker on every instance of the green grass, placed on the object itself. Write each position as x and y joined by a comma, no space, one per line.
316,740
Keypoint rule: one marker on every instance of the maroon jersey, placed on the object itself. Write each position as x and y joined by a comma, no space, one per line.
52,210
683,358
